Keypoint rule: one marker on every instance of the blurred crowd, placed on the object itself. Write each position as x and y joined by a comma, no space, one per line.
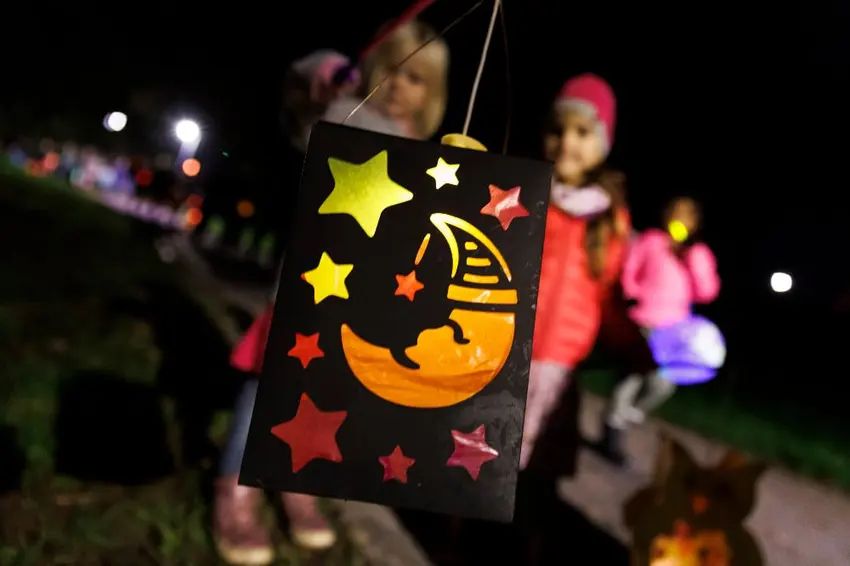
146,187
159,189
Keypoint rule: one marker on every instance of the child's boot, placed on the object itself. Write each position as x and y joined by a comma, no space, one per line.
308,528
239,534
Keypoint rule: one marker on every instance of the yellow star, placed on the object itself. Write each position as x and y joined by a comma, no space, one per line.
444,173
363,190
328,278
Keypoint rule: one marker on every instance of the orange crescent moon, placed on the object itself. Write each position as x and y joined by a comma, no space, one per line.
449,372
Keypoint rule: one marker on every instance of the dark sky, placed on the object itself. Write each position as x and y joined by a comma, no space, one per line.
735,105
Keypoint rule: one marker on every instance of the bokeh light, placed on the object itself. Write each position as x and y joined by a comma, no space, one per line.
678,230
51,161
194,217
245,208
144,177
187,131
191,167
781,282
115,121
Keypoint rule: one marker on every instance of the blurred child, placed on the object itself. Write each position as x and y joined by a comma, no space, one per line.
586,227
665,272
414,107
412,101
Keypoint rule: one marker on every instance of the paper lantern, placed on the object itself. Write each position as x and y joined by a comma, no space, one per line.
398,358
690,351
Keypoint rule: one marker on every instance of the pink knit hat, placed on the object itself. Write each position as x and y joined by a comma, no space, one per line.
591,92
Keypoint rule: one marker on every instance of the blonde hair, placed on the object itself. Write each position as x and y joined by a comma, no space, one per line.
401,43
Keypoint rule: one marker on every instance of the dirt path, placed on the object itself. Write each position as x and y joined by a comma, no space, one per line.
796,520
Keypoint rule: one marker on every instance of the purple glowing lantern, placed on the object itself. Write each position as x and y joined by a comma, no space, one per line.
690,351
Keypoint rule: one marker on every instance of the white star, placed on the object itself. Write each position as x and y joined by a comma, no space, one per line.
444,173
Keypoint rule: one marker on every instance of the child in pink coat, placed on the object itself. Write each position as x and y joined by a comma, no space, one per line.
664,274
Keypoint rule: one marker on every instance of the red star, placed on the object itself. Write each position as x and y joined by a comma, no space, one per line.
471,451
306,348
311,433
408,285
396,465
504,205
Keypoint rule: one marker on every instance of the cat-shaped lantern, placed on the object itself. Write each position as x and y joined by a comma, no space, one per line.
692,515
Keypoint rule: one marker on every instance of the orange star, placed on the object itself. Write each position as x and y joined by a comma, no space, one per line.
306,348
408,285
504,205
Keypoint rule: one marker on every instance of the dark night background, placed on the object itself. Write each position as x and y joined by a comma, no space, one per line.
744,108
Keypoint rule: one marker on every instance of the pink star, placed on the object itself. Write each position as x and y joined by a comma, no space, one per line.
396,465
504,205
471,451
311,433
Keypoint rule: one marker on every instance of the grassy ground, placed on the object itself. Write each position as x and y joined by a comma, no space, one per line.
115,391
790,435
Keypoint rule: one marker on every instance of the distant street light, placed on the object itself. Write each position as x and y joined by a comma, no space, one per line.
188,131
115,121
781,282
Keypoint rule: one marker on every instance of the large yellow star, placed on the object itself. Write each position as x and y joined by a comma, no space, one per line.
328,278
444,173
363,190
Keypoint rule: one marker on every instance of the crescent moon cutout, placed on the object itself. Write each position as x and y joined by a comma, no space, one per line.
449,372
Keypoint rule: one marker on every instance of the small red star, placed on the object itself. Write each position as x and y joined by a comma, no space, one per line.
306,348
395,465
408,285
311,433
504,205
471,451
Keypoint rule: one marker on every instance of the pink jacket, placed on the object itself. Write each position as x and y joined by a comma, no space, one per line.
665,286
